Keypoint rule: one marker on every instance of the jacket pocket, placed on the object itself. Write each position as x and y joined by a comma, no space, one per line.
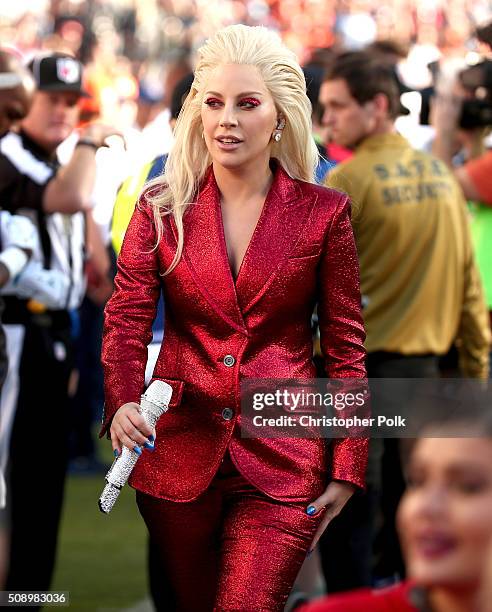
308,250
177,387
304,257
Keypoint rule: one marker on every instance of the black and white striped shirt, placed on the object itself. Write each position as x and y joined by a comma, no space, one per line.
25,171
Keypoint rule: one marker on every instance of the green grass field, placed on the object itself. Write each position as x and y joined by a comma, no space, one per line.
101,558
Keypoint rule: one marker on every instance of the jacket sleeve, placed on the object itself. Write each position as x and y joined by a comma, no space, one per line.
473,340
342,332
129,314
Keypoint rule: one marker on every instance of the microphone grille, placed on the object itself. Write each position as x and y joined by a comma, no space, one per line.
159,393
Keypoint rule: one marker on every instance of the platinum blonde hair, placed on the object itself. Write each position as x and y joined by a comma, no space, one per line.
176,189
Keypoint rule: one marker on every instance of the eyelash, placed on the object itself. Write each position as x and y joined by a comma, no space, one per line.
213,102
253,101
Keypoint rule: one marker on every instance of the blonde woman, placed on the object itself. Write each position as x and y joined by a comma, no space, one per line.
246,245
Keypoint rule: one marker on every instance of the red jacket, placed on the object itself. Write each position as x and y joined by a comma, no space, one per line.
392,599
302,252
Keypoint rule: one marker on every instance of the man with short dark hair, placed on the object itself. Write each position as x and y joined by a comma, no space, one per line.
418,277
420,287
55,198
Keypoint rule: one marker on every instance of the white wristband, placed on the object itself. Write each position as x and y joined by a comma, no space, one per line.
14,259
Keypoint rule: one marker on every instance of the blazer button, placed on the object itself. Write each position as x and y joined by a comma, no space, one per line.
227,414
229,361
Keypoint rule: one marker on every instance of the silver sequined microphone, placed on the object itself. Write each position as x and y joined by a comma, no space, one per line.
154,402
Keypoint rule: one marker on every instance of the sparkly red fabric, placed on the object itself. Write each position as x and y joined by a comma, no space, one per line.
302,252
232,549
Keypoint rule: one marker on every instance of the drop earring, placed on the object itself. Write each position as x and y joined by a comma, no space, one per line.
277,134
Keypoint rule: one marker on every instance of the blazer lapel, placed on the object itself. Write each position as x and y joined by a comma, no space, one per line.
284,215
205,253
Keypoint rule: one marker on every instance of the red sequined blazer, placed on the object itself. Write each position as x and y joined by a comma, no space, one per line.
218,332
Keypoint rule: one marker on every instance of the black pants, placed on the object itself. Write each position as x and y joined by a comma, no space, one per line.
87,403
388,555
38,453
353,533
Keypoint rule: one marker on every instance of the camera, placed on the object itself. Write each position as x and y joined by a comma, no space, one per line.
477,81
475,114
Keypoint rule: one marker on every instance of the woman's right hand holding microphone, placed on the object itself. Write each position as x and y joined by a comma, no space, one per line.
129,428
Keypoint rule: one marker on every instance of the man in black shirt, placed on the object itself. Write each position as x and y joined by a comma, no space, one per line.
16,242
16,91
55,198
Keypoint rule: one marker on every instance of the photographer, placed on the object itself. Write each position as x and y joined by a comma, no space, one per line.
462,115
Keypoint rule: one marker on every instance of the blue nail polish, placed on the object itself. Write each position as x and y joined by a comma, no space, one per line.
149,446
151,438
311,510
309,553
116,452
138,450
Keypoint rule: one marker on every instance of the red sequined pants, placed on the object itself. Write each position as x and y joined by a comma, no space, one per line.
232,549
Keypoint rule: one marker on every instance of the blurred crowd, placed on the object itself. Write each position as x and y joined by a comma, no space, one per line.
137,60
126,42
147,28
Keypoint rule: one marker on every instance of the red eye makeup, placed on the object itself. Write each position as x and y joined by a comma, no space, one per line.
246,102
252,101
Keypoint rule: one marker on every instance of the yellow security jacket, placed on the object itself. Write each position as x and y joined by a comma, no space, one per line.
419,282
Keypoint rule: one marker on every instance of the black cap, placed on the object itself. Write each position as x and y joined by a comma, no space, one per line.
58,72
